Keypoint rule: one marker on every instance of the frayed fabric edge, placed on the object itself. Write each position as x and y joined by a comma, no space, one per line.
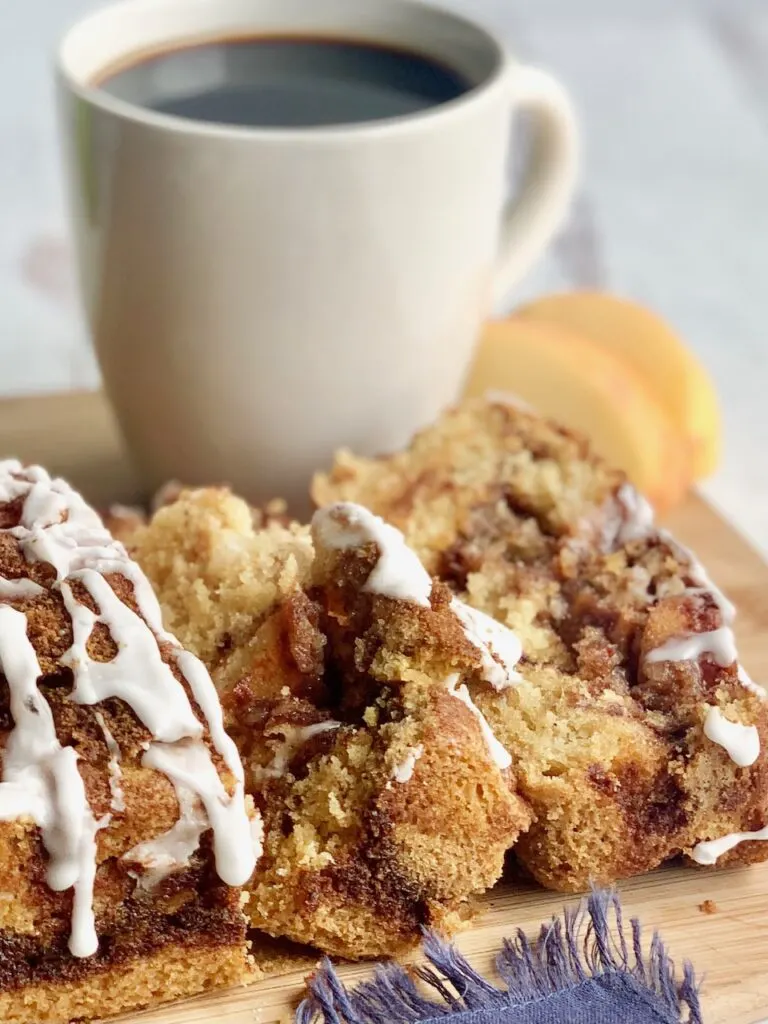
588,941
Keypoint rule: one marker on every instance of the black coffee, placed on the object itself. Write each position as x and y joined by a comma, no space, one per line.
286,82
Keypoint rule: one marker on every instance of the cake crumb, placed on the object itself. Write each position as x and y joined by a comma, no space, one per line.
371,716
708,907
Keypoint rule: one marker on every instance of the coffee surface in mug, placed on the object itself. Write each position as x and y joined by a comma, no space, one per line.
285,82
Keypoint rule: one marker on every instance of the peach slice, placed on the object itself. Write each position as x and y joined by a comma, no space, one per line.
586,387
649,346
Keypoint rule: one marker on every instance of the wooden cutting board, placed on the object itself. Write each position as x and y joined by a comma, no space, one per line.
75,435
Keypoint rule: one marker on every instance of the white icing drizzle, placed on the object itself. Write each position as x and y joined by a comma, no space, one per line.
500,648
117,803
83,939
137,674
719,643
41,781
19,590
204,693
708,853
499,755
293,738
404,771
166,853
741,742
188,763
638,520
398,572
40,777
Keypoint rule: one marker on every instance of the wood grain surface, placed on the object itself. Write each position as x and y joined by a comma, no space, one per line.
74,435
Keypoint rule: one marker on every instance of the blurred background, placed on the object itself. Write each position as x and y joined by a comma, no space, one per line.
672,209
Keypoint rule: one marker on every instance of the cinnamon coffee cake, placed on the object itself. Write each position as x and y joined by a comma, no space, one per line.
481,644
635,735
344,672
125,833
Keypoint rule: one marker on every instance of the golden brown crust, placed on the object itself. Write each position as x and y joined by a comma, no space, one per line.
190,909
175,971
523,522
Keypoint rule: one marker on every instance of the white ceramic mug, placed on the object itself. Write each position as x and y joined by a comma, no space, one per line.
260,296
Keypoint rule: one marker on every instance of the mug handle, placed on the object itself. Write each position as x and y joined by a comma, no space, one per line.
532,217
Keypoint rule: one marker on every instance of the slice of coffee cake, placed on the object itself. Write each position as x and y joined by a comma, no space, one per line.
635,734
125,834
387,801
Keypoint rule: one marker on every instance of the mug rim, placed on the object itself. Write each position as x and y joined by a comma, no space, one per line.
95,95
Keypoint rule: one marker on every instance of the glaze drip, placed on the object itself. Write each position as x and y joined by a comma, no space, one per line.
708,853
741,742
188,763
500,648
19,590
720,643
398,573
499,755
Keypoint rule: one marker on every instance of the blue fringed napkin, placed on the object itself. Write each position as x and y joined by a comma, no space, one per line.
582,969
